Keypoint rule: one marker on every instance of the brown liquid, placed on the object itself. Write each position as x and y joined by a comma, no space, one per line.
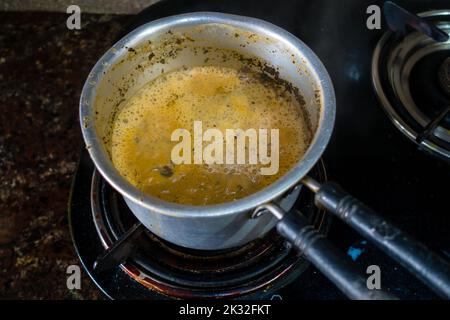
221,98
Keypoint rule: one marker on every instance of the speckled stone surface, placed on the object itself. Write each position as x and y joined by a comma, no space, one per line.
97,6
43,66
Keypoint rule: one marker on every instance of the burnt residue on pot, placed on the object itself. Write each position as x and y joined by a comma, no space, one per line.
173,50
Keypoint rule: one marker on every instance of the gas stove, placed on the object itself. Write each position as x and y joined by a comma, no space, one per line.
411,77
399,170
155,268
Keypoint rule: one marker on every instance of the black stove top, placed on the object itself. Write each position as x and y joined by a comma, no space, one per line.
367,155
158,269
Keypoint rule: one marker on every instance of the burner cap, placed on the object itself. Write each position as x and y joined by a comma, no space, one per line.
411,76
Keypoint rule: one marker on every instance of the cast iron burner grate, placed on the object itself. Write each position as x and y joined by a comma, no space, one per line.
158,269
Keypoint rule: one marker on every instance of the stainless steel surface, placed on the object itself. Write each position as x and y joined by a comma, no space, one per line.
119,73
275,210
428,130
402,58
311,184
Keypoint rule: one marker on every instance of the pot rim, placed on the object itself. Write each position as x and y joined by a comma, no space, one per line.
291,178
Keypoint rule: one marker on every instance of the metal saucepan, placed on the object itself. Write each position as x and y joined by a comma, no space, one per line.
173,42
235,41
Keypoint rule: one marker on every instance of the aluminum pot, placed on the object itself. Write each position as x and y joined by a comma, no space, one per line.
195,39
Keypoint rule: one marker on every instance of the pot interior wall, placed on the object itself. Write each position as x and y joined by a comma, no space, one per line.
151,53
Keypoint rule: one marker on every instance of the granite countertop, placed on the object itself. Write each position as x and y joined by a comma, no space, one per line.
43,66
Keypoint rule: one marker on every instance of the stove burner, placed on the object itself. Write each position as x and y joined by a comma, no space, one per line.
444,76
411,78
158,269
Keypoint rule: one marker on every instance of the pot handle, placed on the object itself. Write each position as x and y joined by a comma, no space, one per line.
410,253
321,253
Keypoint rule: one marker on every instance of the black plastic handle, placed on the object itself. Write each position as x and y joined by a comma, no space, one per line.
322,254
410,253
